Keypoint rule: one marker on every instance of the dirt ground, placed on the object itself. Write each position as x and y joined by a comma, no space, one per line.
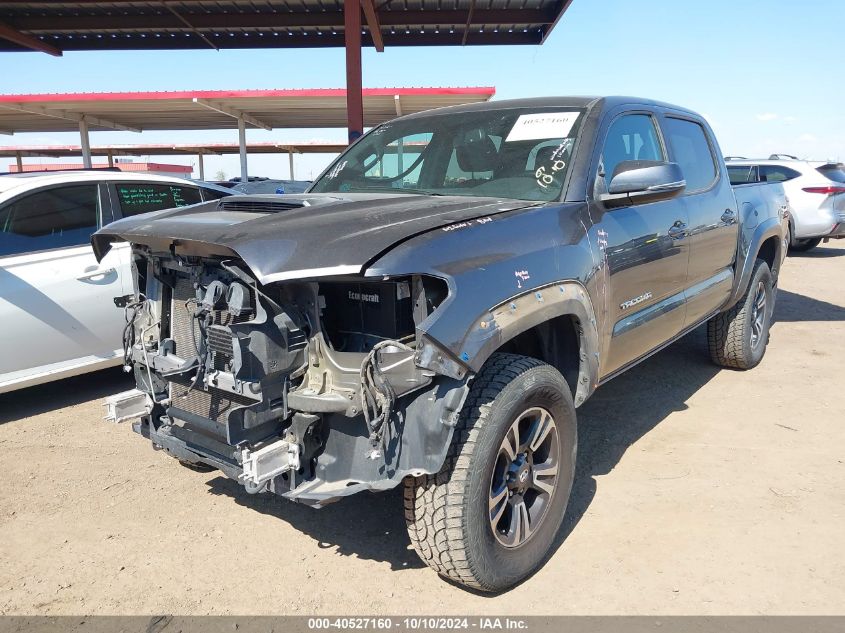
698,491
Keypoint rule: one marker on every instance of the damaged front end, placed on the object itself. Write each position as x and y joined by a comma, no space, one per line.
311,389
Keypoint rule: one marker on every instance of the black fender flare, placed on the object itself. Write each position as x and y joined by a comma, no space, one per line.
510,318
771,227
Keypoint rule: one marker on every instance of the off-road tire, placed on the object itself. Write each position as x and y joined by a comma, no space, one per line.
802,246
730,333
447,514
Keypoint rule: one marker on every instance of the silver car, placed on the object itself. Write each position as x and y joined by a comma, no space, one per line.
816,192
56,302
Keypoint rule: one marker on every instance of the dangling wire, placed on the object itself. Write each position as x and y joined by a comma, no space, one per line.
377,398
130,313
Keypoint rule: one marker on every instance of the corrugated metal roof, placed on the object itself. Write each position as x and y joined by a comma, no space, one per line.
128,167
219,109
167,24
60,151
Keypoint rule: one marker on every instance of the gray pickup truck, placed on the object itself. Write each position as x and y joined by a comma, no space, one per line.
433,310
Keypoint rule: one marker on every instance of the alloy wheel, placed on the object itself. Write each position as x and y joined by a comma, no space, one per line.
524,477
758,315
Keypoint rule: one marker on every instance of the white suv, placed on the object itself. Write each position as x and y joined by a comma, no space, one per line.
57,306
816,193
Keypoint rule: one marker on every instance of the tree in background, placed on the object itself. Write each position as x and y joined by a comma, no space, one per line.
220,175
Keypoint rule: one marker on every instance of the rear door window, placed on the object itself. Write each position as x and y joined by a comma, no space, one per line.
52,218
777,173
142,197
691,150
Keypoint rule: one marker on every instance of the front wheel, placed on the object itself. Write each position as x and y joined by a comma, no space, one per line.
738,338
489,518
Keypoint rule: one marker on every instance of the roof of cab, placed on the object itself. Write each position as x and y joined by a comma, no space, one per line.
589,102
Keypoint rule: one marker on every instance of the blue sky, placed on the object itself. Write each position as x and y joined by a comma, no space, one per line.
767,74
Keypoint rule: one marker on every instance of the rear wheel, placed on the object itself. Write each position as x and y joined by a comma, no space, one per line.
802,246
488,519
738,338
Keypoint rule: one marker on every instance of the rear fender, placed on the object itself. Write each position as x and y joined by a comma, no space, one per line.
749,247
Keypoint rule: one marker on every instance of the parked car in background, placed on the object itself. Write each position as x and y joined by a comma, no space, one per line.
56,301
816,192
267,185
223,190
432,321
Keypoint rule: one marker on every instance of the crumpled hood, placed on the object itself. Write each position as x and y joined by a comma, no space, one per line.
299,236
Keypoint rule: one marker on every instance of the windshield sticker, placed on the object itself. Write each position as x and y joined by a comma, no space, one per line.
336,171
545,178
546,174
531,127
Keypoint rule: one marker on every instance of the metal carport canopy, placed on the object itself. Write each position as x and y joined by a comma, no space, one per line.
183,149
18,152
53,27
218,109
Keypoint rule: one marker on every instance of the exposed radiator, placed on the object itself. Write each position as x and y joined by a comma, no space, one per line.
214,404
183,327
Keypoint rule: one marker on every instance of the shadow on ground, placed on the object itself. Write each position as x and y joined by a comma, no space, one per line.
819,252
23,403
366,525
628,407
371,526
791,307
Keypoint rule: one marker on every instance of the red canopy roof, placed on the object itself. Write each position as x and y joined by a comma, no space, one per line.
219,109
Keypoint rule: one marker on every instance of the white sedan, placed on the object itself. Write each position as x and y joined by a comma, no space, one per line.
57,307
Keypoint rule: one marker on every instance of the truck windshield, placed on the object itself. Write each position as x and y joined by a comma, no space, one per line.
519,153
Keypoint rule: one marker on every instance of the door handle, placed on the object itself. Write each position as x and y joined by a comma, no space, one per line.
678,230
99,272
728,217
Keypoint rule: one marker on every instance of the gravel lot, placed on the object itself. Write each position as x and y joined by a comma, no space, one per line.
698,491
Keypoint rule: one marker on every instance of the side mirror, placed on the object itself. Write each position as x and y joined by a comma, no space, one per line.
641,181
